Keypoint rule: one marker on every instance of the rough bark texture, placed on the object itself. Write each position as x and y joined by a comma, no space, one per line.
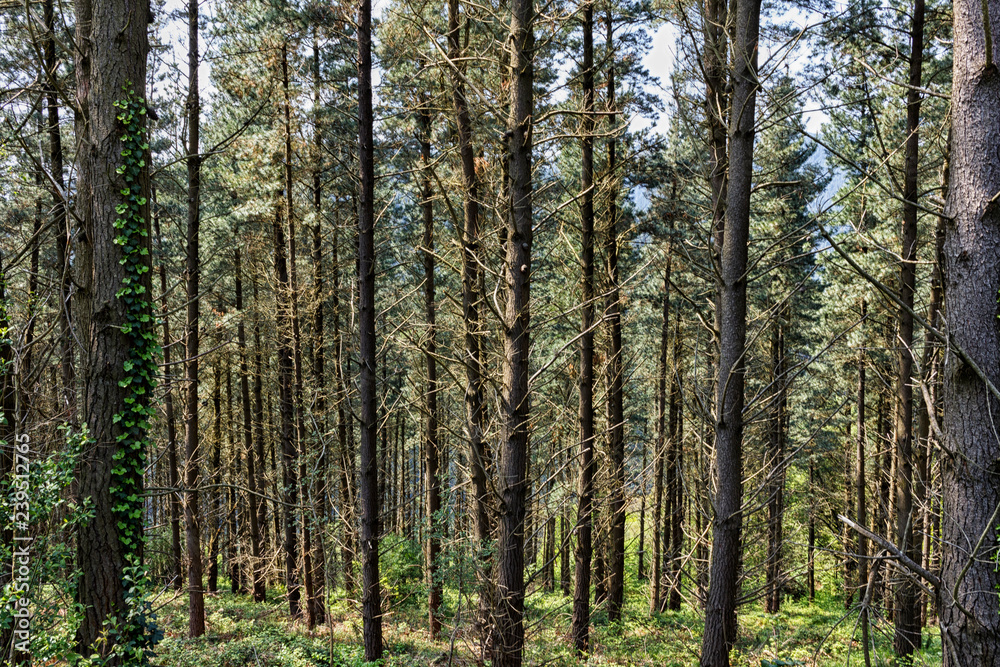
720,617
907,614
371,604
585,509
112,44
475,415
971,470
616,418
508,642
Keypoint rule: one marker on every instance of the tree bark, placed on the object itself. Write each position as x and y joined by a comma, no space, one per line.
616,419
970,624
720,618
192,517
431,457
508,643
112,44
907,613
371,596
585,508
286,408
254,462
173,478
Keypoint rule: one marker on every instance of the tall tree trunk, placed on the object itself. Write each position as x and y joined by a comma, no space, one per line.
907,617
320,493
431,471
675,469
811,544
585,508
110,58
258,434
168,406
659,515
192,517
720,618
861,499
475,416
372,596
67,368
508,643
616,419
299,456
344,440
255,463
776,454
970,624
640,571
286,407
215,524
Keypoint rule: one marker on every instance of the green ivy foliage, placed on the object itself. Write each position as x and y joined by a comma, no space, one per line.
136,629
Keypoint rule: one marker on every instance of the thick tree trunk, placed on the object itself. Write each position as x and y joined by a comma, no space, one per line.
907,613
585,508
970,624
616,419
508,642
720,618
371,587
112,44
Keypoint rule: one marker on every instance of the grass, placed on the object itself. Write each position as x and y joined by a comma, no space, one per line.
244,634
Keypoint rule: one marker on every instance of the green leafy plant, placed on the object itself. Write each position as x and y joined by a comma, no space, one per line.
135,630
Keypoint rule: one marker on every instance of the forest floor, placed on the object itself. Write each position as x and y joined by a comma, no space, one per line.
243,634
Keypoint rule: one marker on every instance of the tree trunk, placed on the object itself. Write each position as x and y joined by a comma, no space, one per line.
289,481
168,405
675,469
862,500
110,58
62,232
255,462
776,454
659,515
720,618
320,493
475,416
616,419
215,522
192,517
970,624
907,616
585,508
431,471
372,595
508,643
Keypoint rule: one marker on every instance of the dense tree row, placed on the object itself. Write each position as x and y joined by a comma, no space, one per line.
429,315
